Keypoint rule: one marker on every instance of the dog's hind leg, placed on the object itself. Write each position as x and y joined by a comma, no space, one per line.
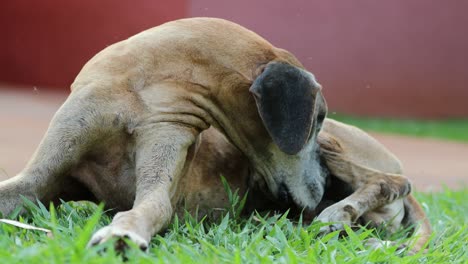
379,197
372,188
70,134
377,192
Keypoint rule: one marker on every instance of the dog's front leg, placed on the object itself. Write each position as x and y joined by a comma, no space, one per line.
160,155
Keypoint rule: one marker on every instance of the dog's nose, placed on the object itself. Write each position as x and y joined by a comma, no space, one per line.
284,195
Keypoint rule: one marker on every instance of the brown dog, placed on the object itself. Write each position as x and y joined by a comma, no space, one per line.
128,131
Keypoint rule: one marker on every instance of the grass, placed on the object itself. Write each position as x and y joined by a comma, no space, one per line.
451,129
257,239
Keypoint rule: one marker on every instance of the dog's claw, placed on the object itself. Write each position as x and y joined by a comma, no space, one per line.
337,216
120,245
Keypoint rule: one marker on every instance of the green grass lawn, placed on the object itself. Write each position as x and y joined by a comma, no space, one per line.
451,129
257,239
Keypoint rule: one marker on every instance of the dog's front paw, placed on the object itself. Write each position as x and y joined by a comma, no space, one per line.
336,216
121,234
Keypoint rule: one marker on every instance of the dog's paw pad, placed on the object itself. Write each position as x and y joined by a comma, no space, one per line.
121,235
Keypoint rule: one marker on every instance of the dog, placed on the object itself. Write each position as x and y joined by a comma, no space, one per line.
130,132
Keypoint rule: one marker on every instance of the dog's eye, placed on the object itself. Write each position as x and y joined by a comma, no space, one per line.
318,123
320,117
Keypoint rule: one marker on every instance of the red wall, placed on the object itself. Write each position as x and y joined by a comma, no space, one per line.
390,58
45,43
393,58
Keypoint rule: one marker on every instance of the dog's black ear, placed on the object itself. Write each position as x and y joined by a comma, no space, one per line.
285,98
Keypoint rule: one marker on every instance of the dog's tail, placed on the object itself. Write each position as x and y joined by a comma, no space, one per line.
416,218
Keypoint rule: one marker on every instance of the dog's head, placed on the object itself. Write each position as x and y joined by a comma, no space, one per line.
292,108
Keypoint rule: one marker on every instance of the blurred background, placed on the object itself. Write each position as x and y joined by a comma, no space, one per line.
391,67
